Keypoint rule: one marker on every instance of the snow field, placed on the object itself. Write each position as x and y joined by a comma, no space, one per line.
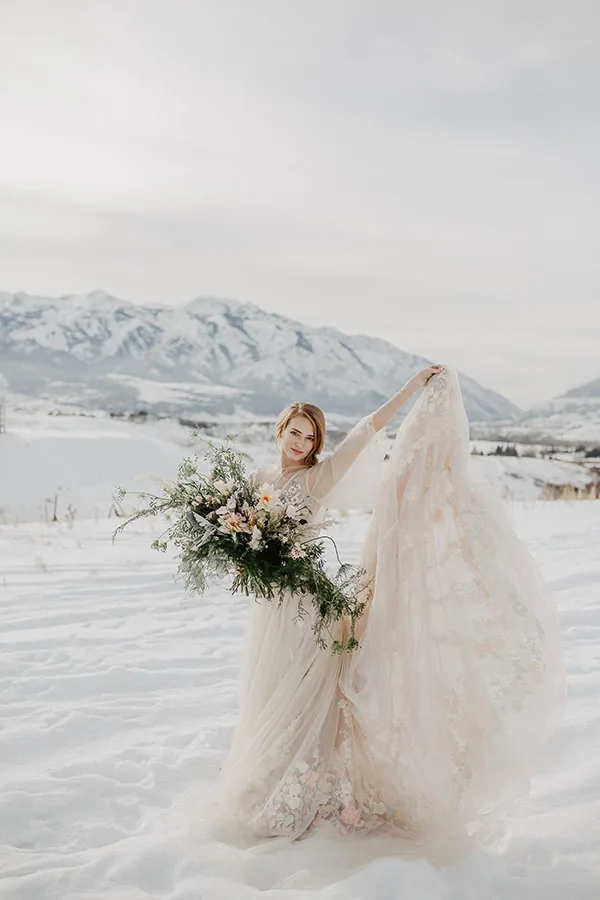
118,700
80,460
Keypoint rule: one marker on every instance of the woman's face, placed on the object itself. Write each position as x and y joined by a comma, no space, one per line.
297,440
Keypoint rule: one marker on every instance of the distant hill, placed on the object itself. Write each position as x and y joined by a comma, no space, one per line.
591,389
210,357
573,416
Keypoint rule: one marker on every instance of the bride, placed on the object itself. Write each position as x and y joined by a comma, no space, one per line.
438,718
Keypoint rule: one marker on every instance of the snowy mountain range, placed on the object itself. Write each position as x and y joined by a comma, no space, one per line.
573,416
208,358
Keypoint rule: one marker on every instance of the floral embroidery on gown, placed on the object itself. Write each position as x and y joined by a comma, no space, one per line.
438,718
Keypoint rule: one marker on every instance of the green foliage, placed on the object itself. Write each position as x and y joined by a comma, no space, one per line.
224,526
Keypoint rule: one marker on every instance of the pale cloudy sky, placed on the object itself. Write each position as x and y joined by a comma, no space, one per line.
428,172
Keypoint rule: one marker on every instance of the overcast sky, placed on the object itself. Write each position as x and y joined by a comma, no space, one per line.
427,172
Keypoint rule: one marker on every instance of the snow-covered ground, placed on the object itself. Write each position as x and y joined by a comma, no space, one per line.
80,460
74,462
118,700
524,478
152,392
571,417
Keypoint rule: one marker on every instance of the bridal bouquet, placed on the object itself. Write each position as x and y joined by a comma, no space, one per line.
225,525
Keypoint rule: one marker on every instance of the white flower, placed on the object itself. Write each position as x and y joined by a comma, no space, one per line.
292,512
268,497
220,485
297,552
256,539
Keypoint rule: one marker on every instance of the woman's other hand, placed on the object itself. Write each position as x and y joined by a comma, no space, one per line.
422,377
388,410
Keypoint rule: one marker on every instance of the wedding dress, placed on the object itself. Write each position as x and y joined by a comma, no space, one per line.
439,716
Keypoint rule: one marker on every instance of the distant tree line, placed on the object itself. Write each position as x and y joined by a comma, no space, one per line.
543,452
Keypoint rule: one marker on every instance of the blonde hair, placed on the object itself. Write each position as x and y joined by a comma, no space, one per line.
315,417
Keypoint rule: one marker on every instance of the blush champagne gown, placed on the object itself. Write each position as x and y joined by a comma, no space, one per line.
438,718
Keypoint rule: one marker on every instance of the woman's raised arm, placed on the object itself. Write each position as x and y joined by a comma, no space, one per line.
388,410
322,477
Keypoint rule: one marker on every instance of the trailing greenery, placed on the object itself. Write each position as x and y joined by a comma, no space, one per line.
225,525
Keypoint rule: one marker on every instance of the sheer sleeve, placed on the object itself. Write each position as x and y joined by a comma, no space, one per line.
322,477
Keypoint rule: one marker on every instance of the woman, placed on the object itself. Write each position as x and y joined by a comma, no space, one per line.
437,718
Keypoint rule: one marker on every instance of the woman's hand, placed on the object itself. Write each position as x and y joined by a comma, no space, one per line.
388,410
422,377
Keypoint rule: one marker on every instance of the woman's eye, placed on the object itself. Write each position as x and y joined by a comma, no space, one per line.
295,433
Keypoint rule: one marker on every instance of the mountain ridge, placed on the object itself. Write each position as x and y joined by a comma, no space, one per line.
589,389
210,355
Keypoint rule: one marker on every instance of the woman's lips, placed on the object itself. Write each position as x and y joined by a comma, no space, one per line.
296,451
